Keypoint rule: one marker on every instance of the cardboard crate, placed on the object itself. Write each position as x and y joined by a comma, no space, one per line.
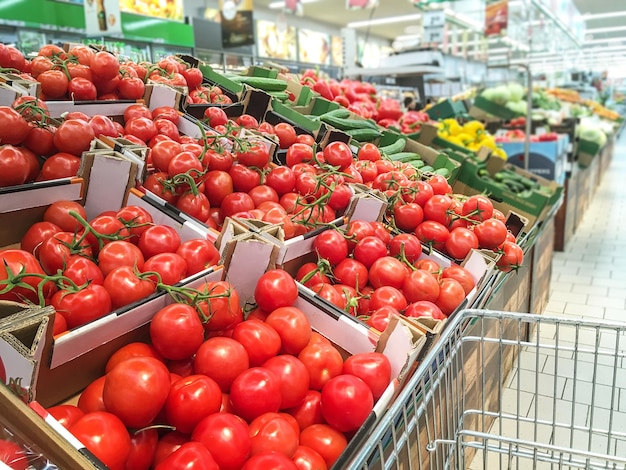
429,137
446,109
541,267
23,86
565,218
545,159
482,108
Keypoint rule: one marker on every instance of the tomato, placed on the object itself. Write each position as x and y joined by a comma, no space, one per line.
490,233
292,326
14,167
222,310
387,271
306,458
83,306
167,445
199,254
373,368
194,205
294,379
511,258
125,287
440,185
408,216
352,273
176,331
15,262
460,242
369,249
141,127
40,65
166,112
54,83
462,275
325,440
136,219
60,165
155,183
158,239
105,435
83,54
275,288
261,341
254,154
286,134
131,88
13,127
405,245
478,208
323,362
338,154
261,383
104,65
387,296
90,399
222,359
234,203
137,110
81,89
171,268
40,140
274,432
216,116
120,253
451,294
369,152
332,246
190,400
143,446
136,389
281,179
247,121
131,350
227,438
347,401
433,234
420,285
66,415
269,459
340,197
424,308
73,136
298,153
189,456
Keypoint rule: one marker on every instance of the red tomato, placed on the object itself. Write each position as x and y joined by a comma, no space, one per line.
119,253
323,362
286,134
234,203
222,359
440,185
478,208
325,440
135,390
105,435
131,88
189,456
460,242
222,310
131,350
82,89
408,216
309,411
218,184
83,306
216,116
190,400
90,399
66,415
269,459
275,288
104,65
273,432
141,127
387,271
373,368
281,179
407,245
338,154
17,261
142,449
199,254
306,458
40,140
369,249
387,296
420,285
462,275
451,294
13,127
331,245
292,326
37,234
512,257
352,273
255,154
424,308
369,152
14,166
347,401
73,136
491,233
136,219
299,153
167,445
59,165
260,339
176,331
54,83
433,234
125,287
293,376
261,383
227,438
158,239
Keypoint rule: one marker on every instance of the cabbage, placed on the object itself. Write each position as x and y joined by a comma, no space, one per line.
516,91
499,95
592,134
518,107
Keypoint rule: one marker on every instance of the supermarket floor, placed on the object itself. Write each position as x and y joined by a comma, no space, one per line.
584,390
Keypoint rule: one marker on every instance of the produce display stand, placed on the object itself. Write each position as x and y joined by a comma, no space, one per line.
451,411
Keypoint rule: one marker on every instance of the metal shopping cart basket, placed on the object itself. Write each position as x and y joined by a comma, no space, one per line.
510,391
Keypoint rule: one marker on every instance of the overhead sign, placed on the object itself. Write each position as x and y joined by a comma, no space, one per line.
102,17
294,7
496,17
237,24
434,23
169,10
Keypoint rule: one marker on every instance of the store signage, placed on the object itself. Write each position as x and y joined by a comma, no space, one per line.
294,7
434,23
496,17
169,10
102,17
237,23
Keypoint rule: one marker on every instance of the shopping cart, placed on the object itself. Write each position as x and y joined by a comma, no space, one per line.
514,391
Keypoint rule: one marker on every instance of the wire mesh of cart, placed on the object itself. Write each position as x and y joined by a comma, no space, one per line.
510,391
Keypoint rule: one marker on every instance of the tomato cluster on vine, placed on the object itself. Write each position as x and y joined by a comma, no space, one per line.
264,392
87,269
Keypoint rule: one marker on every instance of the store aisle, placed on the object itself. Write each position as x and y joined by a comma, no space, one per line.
588,281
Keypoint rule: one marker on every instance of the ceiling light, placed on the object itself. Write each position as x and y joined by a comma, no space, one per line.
388,20
605,30
599,16
600,41
463,19
276,5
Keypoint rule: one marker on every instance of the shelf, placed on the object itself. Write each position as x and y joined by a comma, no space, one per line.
412,70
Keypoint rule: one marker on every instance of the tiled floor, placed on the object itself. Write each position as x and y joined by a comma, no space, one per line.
582,387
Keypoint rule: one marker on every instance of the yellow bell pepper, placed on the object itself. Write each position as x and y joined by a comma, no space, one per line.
499,152
451,126
472,127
